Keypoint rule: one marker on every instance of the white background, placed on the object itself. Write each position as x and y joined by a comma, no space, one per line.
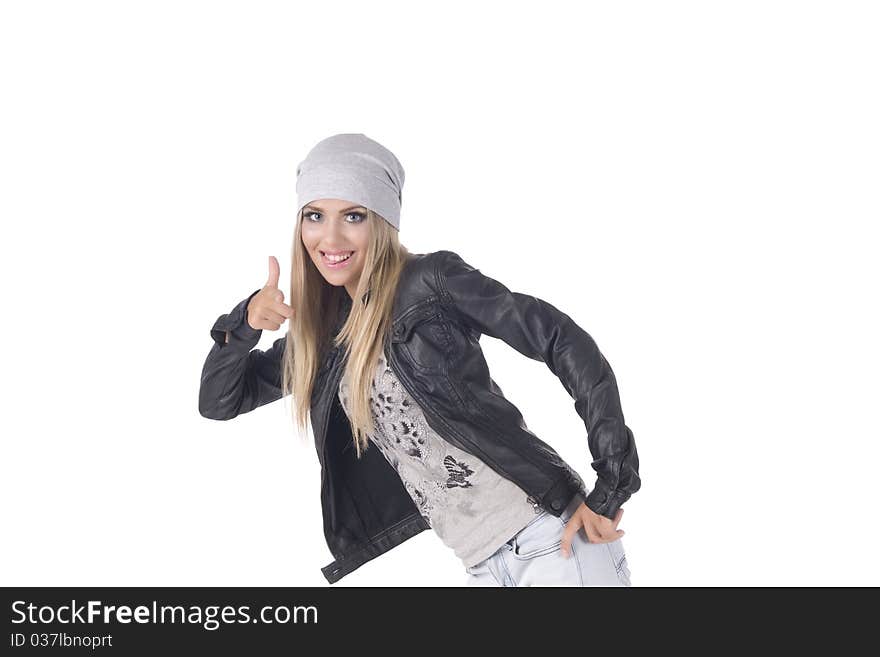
695,183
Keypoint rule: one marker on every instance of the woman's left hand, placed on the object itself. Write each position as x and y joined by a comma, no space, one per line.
598,528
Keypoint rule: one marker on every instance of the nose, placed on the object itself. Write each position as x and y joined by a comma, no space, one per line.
332,237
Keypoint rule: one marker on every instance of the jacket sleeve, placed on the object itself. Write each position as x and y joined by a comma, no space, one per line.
236,377
542,332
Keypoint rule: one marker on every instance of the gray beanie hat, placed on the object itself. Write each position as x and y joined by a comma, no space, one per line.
353,167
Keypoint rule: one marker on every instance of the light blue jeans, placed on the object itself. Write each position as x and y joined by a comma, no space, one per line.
533,557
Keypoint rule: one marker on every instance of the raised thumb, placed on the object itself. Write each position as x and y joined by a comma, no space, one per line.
274,272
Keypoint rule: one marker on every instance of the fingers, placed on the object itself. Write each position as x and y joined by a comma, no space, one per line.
274,317
267,323
601,529
592,534
281,309
274,272
614,532
569,533
267,310
597,532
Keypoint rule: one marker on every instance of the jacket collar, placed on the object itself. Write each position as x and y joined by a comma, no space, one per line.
399,309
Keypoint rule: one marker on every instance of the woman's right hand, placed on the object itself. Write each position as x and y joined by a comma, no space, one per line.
267,309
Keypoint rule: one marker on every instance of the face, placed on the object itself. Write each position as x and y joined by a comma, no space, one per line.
331,229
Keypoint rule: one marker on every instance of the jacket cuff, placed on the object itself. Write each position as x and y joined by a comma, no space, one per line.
235,322
606,502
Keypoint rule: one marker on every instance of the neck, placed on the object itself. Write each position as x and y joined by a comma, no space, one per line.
353,290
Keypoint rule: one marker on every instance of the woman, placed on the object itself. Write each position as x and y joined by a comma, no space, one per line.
402,370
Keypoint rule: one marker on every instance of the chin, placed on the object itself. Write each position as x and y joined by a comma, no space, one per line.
336,280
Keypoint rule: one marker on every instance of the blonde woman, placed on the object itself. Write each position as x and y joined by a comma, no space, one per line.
382,355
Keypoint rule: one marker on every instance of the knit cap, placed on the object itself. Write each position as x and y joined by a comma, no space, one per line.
355,168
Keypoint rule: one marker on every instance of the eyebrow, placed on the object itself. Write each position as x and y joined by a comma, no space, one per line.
315,207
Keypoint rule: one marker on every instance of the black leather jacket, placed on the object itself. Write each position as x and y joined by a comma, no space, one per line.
442,307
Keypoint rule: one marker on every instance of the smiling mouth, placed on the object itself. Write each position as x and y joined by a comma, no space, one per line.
336,260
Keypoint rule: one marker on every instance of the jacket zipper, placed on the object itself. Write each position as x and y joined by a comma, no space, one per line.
474,448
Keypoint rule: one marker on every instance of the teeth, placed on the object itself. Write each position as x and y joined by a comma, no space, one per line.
337,258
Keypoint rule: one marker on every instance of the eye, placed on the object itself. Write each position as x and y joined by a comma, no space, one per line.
307,215
359,217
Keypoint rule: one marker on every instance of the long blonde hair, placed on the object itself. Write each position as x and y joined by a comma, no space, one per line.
316,308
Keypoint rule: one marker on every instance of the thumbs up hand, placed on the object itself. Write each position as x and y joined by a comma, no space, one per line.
267,309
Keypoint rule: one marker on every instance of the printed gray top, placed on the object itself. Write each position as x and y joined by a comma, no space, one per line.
473,509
